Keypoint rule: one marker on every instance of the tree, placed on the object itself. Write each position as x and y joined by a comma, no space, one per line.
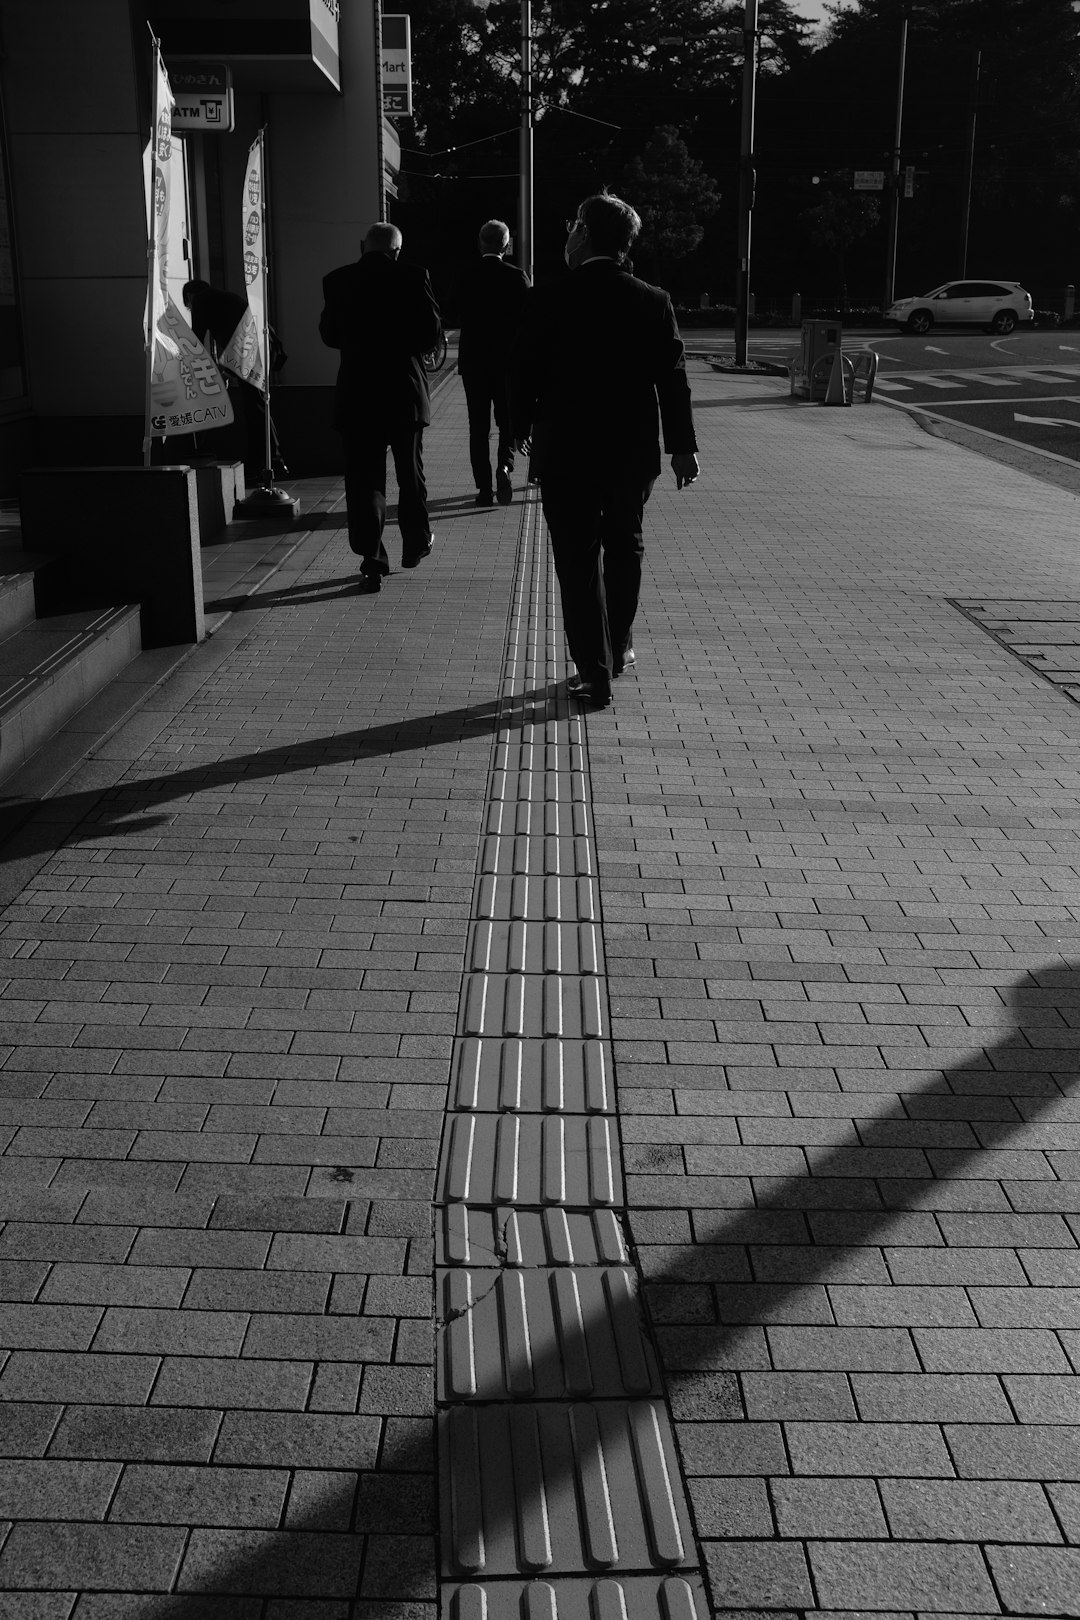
836,223
673,194
606,75
1027,150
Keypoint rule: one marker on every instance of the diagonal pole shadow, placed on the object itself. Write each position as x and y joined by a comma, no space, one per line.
373,1531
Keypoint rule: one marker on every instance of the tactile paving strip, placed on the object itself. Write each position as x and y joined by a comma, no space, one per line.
525,1237
556,1334
545,1486
523,946
533,1076
530,1159
676,1597
556,1453
532,1004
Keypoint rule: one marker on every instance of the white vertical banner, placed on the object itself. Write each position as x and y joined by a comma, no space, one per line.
246,352
185,391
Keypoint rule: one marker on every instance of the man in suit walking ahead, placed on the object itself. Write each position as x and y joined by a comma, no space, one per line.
382,315
491,302
599,367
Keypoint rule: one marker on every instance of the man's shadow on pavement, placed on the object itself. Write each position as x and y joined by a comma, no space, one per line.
30,829
388,1516
312,591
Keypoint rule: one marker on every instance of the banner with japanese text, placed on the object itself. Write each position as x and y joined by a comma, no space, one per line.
245,352
185,390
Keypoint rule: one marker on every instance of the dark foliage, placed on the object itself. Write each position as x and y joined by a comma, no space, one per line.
611,73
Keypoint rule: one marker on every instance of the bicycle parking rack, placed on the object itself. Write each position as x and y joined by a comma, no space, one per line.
857,364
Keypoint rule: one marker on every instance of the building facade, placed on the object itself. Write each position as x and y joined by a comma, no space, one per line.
75,111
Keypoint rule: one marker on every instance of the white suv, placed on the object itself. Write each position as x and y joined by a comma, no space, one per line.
999,306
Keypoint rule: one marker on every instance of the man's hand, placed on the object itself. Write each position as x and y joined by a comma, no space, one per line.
685,469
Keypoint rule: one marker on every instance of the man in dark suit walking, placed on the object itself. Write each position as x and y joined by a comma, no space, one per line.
382,315
490,304
599,367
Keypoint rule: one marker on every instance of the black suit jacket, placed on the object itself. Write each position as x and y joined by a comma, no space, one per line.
597,370
382,315
489,305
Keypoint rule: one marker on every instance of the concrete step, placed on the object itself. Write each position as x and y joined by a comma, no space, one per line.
50,668
16,599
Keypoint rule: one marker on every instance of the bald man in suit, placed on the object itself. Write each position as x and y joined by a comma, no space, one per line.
383,317
599,369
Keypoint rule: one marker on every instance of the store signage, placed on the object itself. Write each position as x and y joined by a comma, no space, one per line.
869,180
202,98
396,66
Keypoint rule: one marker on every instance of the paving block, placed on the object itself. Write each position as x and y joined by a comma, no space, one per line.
1044,1580
53,1489
287,1563
136,1433
214,1496
521,1237
532,1006
675,1597
870,1575
551,1075
526,946
968,1510
103,1379
565,1333
520,1159
560,1489
91,1557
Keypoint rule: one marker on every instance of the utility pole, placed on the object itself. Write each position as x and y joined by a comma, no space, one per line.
973,112
894,176
525,206
746,179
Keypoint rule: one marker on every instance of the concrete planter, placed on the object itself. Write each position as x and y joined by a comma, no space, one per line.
119,534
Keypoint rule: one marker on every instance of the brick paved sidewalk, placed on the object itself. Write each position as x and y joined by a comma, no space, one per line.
830,813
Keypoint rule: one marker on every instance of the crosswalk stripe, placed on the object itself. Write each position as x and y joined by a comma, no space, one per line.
1038,376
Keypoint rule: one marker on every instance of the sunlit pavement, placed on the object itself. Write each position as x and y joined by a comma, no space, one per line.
671,1106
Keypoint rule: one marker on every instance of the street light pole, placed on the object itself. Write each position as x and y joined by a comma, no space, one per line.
973,114
525,207
746,179
894,177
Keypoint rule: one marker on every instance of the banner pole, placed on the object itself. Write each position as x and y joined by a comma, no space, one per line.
151,253
265,250
267,499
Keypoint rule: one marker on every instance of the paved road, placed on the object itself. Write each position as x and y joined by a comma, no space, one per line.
1024,389
900,351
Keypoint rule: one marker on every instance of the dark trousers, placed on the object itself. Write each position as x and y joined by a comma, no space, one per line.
365,492
595,524
487,390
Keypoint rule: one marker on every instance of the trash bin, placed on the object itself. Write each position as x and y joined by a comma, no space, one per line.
818,338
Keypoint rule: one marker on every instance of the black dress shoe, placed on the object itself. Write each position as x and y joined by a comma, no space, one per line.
504,488
597,694
369,584
484,497
418,556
